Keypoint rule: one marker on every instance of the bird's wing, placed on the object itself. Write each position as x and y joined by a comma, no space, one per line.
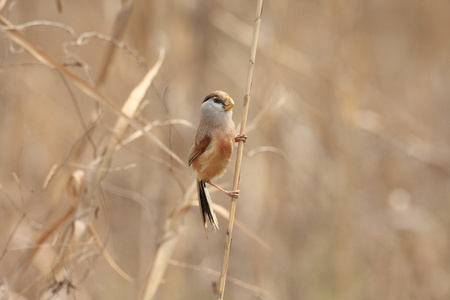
198,147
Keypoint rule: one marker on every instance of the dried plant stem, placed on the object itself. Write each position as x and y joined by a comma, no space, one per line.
237,170
165,249
45,58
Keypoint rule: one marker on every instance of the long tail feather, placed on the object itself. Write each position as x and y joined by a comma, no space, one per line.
205,204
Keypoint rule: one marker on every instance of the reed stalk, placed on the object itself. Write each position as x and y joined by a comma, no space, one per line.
237,170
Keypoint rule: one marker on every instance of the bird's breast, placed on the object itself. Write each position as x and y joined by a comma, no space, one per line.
213,162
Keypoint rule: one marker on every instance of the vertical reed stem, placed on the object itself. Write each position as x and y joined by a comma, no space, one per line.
237,170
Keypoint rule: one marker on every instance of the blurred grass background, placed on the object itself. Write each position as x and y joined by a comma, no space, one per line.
346,169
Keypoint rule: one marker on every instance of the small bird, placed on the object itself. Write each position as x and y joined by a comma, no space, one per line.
211,149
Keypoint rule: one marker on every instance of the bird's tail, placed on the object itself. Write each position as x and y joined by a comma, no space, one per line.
205,203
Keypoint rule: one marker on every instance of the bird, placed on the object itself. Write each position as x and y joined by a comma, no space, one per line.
211,150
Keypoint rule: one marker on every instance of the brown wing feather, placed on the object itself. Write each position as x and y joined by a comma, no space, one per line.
198,147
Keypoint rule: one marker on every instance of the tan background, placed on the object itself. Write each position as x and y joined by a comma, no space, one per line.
345,173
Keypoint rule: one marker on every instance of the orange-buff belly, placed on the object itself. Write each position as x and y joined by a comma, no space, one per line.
213,162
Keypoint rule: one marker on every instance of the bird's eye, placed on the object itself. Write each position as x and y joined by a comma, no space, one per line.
217,100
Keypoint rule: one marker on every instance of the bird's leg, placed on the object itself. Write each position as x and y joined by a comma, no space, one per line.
232,194
240,137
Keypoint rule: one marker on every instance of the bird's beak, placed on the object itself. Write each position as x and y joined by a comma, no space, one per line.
229,103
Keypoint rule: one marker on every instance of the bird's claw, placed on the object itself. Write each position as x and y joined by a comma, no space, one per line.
233,194
240,137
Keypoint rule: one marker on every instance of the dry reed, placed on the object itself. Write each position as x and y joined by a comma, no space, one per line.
237,171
